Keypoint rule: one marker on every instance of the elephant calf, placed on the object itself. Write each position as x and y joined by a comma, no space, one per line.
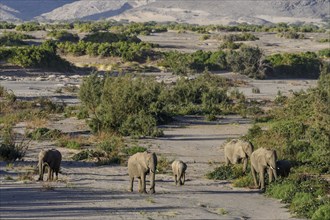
179,171
263,159
51,159
139,165
283,168
238,150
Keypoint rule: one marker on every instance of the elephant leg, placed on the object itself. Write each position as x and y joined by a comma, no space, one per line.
49,174
262,179
131,180
143,183
56,178
227,161
253,171
245,162
139,184
183,178
175,179
270,175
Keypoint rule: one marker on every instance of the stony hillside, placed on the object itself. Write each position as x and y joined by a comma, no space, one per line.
191,11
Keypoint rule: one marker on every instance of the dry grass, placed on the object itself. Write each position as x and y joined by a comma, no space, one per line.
36,123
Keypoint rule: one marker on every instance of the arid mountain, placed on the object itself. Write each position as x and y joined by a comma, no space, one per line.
190,11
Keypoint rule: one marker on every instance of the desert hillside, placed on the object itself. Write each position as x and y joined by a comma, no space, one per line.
200,12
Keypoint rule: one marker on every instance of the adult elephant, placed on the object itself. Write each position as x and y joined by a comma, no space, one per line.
52,159
263,159
139,165
238,151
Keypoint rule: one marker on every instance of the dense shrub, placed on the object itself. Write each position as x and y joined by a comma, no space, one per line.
6,25
306,194
10,152
303,65
247,61
325,53
291,35
135,106
133,150
62,35
30,26
226,172
108,37
239,37
44,133
13,39
184,64
126,50
43,56
230,45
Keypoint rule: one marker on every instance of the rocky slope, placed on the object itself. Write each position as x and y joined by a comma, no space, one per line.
191,11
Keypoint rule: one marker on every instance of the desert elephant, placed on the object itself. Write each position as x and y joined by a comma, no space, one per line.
283,168
238,150
179,171
139,165
262,159
52,159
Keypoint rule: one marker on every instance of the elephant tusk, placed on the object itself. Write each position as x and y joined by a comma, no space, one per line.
272,168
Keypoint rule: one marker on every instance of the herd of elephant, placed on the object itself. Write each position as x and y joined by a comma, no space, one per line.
142,164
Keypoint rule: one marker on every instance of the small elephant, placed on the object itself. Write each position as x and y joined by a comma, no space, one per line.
283,168
139,165
238,150
262,159
52,159
179,171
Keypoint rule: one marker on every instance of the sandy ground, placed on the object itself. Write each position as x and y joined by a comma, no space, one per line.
86,191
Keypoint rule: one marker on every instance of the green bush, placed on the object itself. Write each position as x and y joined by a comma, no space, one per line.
230,45
284,190
239,37
6,25
325,53
247,61
291,35
14,39
88,154
30,26
43,56
68,143
244,181
10,152
300,65
108,37
304,204
133,150
323,212
62,35
226,172
44,133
